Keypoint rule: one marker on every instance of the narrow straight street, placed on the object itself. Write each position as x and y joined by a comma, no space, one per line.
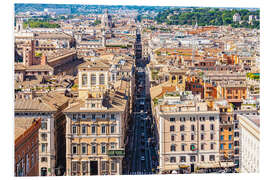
142,156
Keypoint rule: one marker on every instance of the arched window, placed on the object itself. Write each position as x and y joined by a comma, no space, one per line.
173,78
102,79
93,79
84,79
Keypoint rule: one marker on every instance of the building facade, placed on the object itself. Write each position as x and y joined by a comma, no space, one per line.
26,146
249,144
96,123
188,135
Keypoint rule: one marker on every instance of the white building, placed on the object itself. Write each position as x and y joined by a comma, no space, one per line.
236,17
249,143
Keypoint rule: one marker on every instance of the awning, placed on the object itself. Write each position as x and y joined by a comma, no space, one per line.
169,168
227,164
184,166
209,165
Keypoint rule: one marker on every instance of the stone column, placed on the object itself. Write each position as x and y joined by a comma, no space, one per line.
99,166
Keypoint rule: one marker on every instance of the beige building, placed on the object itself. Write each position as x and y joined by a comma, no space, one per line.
97,123
188,133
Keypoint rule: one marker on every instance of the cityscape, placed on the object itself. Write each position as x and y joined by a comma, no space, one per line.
135,90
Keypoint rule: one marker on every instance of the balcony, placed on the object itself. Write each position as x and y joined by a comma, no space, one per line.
116,153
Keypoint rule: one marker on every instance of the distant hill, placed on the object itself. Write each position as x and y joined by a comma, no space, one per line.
208,16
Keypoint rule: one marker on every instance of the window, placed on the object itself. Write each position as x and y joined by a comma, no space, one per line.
212,127
230,129
74,166
27,163
236,134
171,128
32,159
44,137
84,166
74,116
236,126
192,127
112,129
43,171
102,79
93,106
93,149
182,119
236,151
172,137
192,137
192,147
182,137
84,129
43,159
83,116
202,157
93,117
221,129
93,129
93,79
112,116
182,158
222,137
229,118
172,159
74,149
202,136
74,129
211,136
112,145
202,146
103,148
211,118
172,147
43,125
104,166
221,146
43,147
212,158
236,143
192,158
172,119
84,149
84,80
113,165
230,137
230,146
183,147
212,146
103,129
103,116
202,127
182,128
